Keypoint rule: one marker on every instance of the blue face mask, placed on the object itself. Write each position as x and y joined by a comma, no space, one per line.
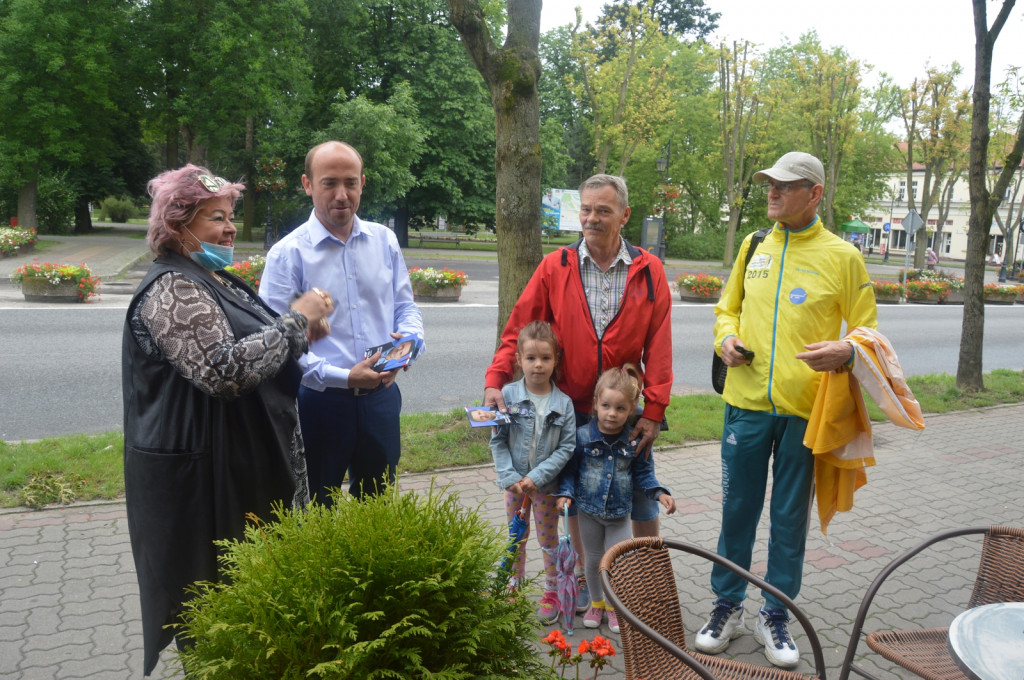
212,256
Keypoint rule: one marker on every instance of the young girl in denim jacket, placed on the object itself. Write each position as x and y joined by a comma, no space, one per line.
530,453
600,478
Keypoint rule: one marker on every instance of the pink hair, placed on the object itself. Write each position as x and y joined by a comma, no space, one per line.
176,196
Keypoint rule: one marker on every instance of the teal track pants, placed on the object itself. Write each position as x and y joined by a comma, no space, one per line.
750,440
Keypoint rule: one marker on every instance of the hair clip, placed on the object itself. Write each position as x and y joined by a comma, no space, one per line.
212,184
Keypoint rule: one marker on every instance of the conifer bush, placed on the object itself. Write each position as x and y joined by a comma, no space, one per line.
394,586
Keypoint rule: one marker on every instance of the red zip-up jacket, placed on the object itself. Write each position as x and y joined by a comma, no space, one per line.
640,333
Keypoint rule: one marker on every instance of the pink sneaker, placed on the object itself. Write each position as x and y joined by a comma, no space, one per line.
547,610
593,617
613,621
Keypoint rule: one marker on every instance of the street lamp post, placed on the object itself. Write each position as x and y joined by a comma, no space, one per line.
892,203
662,164
1017,273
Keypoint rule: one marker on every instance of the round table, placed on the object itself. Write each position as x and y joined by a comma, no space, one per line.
987,642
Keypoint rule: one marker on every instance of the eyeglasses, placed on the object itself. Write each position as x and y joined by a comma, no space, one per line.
212,184
786,187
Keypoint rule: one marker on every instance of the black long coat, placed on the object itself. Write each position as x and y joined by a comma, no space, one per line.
194,465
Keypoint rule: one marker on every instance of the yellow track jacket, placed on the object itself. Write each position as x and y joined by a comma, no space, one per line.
800,287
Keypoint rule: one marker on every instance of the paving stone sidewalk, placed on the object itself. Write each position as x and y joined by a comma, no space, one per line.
69,605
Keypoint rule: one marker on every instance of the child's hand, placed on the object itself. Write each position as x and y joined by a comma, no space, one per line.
668,502
562,503
516,489
527,485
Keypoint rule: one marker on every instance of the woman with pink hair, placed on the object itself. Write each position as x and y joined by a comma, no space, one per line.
209,379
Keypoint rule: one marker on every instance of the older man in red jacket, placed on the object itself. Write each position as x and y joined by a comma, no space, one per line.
609,303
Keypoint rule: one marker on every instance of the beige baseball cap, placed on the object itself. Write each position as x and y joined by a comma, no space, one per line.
793,166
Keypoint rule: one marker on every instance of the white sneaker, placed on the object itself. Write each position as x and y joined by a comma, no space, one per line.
724,625
772,631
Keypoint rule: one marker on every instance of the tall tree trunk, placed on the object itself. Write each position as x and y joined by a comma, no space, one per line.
739,115
83,220
195,152
249,197
171,148
27,195
511,73
972,334
402,224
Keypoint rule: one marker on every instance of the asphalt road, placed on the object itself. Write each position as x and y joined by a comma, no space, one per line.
60,368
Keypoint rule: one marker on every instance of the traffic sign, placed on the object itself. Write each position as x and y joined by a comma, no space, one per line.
912,222
886,227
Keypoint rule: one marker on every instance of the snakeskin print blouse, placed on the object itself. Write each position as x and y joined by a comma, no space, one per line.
177,320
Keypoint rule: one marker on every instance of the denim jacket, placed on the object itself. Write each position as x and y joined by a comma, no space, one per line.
600,477
510,444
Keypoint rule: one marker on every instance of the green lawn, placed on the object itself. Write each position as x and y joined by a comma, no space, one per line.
88,467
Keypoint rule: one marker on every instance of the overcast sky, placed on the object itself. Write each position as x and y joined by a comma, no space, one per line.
899,38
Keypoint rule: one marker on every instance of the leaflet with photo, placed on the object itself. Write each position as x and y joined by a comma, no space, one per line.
486,416
395,354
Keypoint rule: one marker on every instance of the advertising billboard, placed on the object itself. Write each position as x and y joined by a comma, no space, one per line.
560,209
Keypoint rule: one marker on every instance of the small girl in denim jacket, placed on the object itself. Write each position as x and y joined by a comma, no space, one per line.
530,453
600,478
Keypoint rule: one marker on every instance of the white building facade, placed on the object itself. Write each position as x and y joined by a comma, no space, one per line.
950,242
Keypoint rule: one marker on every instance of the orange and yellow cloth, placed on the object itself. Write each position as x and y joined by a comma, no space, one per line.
839,430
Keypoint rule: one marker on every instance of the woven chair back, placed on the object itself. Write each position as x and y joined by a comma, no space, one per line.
1001,571
644,581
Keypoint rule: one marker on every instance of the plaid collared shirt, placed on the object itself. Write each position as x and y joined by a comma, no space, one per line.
604,290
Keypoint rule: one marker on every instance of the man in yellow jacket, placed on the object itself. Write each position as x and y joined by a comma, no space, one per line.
778,327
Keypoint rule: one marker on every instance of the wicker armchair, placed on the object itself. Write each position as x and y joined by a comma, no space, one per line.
639,582
925,652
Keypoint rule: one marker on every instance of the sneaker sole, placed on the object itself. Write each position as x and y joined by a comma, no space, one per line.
768,651
720,648
591,624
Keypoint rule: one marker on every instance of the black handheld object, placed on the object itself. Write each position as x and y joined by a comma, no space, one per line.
748,354
718,368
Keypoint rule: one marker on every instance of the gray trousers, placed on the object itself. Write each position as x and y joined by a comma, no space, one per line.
598,535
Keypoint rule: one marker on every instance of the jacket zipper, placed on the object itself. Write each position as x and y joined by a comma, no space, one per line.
600,340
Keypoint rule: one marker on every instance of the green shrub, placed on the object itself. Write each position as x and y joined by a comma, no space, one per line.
117,209
395,586
55,205
705,245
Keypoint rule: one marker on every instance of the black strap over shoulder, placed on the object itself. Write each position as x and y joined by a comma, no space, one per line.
755,241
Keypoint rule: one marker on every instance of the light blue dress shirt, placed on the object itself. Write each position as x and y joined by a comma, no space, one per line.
368,281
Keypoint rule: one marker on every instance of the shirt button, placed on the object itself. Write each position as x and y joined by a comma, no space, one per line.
353,306
609,475
609,457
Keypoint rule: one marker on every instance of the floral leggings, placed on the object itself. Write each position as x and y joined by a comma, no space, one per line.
545,517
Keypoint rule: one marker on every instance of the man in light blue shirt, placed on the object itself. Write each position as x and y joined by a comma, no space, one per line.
349,413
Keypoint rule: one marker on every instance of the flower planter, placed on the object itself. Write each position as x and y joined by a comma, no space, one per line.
955,297
700,288
929,299
39,289
424,292
887,299
690,296
1008,299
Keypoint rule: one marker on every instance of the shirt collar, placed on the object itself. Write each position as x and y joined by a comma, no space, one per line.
622,255
318,232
